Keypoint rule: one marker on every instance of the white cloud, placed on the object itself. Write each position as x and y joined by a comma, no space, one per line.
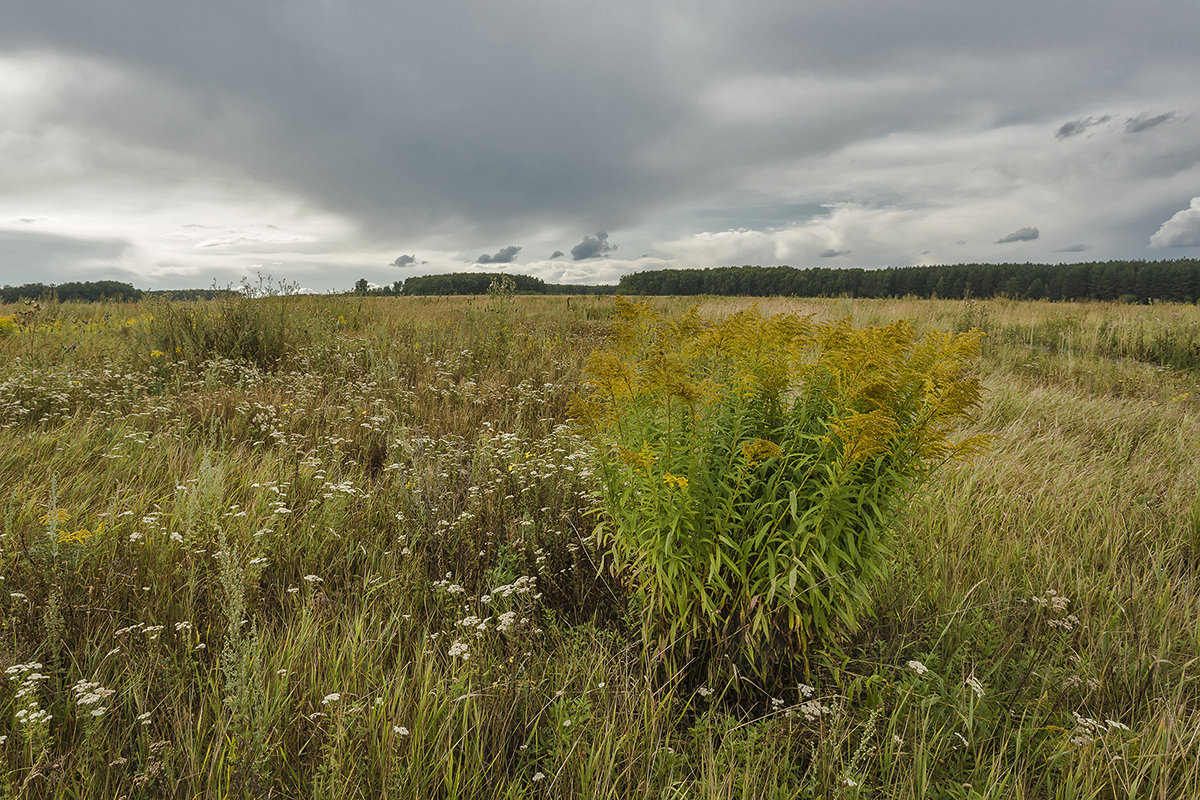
1181,230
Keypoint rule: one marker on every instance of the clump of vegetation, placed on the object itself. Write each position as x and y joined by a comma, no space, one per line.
254,325
752,467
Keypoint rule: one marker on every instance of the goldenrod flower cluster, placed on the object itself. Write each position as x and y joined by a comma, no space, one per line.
796,442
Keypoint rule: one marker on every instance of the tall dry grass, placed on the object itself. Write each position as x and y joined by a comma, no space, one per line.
260,569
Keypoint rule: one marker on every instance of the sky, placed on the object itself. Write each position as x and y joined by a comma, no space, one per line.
174,145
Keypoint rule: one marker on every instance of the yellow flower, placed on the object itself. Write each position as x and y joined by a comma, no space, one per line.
77,537
679,481
58,515
759,450
157,353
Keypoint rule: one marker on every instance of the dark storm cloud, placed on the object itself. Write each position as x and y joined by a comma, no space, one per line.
1021,235
404,261
1144,122
831,253
295,97
1078,126
556,254
504,256
592,247
511,122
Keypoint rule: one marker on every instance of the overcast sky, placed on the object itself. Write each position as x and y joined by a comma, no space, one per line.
173,144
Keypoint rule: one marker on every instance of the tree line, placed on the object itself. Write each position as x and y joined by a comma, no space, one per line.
1175,281
477,283
83,291
1129,281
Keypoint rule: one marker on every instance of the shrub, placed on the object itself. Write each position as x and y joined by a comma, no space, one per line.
257,325
750,469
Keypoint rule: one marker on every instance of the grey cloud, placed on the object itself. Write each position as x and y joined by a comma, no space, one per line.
592,247
1181,230
1144,122
831,253
504,256
27,257
629,120
556,254
1021,235
291,99
1072,248
404,261
1078,126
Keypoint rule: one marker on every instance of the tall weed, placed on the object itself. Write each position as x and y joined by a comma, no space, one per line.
752,467
256,325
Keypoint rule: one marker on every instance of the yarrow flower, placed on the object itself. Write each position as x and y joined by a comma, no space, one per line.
918,667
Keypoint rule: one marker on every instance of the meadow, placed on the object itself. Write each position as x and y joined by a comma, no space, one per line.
299,546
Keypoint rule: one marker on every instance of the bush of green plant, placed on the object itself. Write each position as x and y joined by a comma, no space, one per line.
256,325
751,468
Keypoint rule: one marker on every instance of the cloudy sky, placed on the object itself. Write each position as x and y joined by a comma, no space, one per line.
173,144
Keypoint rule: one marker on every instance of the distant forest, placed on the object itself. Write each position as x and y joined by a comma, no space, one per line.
478,283
1126,281
98,291
1129,281
87,291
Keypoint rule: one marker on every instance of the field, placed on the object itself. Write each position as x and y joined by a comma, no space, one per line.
293,546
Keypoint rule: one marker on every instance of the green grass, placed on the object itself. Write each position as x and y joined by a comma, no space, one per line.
315,513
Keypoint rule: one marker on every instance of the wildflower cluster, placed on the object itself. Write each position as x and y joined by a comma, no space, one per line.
471,626
1057,605
90,695
29,711
796,442
1088,730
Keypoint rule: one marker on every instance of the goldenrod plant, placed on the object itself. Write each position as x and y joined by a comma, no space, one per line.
752,467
